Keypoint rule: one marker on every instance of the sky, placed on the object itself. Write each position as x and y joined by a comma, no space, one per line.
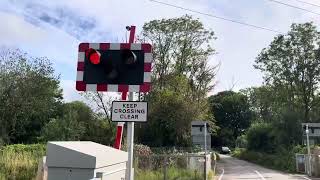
54,28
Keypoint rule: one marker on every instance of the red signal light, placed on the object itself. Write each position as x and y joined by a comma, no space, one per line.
93,56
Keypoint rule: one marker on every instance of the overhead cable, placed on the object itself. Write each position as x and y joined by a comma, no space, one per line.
218,17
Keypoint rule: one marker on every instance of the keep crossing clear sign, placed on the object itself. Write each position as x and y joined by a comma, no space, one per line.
129,111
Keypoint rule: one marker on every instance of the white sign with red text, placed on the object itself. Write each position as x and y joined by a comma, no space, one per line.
129,111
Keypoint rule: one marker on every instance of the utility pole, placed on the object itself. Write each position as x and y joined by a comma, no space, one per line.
205,150
308,147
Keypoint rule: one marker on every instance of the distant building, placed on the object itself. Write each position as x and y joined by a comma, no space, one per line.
314,133
197,134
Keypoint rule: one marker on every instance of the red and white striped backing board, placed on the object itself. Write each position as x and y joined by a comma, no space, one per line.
145,87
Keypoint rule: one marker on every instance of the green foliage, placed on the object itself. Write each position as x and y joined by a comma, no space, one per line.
65,129
283,159
20,162
100,131
181,46
172,173
260,138
291,67
78,122
181,79
287,129
31,109
241,141
232,114
286,123
142,150
263,103
29,96
170,117
291,64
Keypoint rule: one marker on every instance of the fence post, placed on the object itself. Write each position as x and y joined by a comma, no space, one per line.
205,168
165,168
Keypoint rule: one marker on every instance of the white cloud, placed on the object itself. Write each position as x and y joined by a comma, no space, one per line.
15,30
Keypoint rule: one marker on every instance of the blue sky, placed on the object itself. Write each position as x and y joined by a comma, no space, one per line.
54,28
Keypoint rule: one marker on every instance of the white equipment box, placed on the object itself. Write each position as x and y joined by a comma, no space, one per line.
84,160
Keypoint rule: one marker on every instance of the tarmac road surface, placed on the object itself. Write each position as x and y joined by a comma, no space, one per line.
229,168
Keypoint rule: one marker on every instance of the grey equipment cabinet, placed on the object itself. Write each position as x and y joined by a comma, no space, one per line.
84,160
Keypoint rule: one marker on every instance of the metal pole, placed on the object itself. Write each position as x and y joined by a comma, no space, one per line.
130,127
309,154
130,130
205,151
205,138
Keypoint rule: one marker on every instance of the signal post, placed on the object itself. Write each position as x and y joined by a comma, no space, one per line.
117,67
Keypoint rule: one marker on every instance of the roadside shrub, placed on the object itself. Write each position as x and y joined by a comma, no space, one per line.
142,150
283,159
181,162
196,148
241,141
237,152
1,142
260,138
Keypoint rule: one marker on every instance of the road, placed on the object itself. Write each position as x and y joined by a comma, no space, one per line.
229,168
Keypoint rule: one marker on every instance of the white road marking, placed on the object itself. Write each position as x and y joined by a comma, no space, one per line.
307,178
221,175
260,175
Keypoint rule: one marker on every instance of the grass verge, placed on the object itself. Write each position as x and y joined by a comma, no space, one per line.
173,173
20,162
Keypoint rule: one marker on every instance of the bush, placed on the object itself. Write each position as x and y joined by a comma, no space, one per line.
169,119
142,150
237,152
20,162
283,159
260,138
241,141
1,142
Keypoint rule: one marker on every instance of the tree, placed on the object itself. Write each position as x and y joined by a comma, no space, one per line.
102,101
66,128
169,120
260,138
291,64
262,102
79,122
29,96
181,80
181,47
232,114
